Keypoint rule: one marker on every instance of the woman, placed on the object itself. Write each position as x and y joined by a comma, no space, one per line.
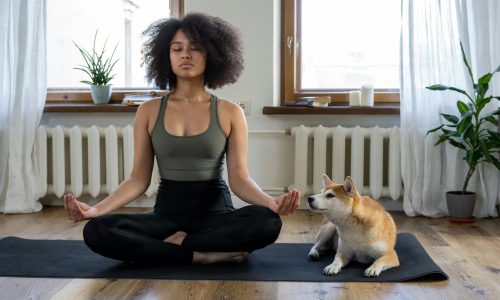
190,131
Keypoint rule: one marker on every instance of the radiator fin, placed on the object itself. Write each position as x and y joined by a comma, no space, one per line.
93,151
372,174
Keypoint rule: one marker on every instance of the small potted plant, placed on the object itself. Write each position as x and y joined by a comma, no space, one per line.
98,67
470,131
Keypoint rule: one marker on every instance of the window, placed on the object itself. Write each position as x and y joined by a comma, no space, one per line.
119,21
330,47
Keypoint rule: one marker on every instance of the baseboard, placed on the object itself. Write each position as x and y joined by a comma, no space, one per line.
144,201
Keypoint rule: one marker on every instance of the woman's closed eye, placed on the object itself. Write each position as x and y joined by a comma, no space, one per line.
191,48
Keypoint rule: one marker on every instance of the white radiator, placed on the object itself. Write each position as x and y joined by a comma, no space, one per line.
320,149
97,161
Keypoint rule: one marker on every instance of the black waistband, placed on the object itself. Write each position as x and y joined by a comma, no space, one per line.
175,187
192,198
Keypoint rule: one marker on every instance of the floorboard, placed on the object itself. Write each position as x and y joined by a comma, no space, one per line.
468,253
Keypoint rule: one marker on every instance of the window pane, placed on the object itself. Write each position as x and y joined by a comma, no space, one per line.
348,43
122,21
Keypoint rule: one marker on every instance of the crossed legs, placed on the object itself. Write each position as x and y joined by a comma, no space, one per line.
152,238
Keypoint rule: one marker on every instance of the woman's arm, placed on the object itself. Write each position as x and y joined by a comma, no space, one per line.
132,187
240,181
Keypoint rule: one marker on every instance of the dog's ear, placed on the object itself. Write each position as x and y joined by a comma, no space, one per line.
326,180
349,187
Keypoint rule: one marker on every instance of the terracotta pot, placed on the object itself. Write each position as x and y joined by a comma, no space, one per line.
460,206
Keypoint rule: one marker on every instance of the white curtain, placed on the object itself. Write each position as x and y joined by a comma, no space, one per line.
23,89
430,54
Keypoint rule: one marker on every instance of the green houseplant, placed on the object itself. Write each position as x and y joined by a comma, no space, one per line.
469,131
98,67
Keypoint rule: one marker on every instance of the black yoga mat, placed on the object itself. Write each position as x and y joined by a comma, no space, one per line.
277,262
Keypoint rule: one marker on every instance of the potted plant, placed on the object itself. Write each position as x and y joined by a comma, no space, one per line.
98,67
469,131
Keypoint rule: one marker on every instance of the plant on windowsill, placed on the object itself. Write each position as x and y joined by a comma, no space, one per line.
469,131
98,67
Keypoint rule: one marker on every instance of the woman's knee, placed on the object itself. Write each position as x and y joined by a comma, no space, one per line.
92,233
96,231
268,223
274,226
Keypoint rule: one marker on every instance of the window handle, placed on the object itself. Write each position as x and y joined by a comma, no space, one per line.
289,44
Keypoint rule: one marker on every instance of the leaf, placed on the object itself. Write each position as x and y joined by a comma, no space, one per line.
457,144
483,84
459,91
437,87
495,162
434,129
97,66
473,156
468,134
497,69
440,87
84,70
441,139
466,62
450,133
469,157
462,107
494,135
485,151
465,121
481,103
492,120
453,119
485,79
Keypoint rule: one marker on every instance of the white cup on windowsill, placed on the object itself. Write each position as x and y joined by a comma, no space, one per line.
354,98
367,95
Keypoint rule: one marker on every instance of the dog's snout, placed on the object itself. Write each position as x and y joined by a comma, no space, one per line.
310,199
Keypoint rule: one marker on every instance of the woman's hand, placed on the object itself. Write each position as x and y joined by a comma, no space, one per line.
77,210
285,204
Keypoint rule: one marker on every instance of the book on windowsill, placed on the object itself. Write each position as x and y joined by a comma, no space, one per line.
138,99
310,102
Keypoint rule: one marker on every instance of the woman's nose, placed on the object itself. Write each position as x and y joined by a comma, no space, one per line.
186,54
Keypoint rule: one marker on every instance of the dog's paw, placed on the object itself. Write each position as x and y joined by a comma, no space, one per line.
332,269
373,271
314,254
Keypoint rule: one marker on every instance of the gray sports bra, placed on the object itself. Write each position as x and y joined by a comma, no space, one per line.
189,158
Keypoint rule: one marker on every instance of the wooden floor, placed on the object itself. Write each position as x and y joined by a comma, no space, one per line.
468,253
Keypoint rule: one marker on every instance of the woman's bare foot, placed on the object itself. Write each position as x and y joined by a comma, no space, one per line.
176,238
215,257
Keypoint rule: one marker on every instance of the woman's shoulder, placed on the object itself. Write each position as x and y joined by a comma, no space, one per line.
228,106
149,106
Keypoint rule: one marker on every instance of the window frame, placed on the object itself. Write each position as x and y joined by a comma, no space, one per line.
82,95
290,65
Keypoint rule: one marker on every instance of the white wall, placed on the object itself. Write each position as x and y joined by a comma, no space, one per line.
270,156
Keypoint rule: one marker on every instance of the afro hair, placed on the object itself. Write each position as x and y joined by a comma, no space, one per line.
219,39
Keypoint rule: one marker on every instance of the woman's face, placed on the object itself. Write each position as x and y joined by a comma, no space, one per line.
187,57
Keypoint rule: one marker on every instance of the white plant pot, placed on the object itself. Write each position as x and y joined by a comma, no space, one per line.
101,93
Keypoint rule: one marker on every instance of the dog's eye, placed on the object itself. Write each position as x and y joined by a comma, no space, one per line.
330,195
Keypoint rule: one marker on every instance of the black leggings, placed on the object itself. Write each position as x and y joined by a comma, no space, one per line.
202,209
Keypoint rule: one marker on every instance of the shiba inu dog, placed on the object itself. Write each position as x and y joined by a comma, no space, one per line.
357,227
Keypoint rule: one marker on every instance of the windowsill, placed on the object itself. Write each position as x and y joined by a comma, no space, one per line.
71,101
334,109
86,106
